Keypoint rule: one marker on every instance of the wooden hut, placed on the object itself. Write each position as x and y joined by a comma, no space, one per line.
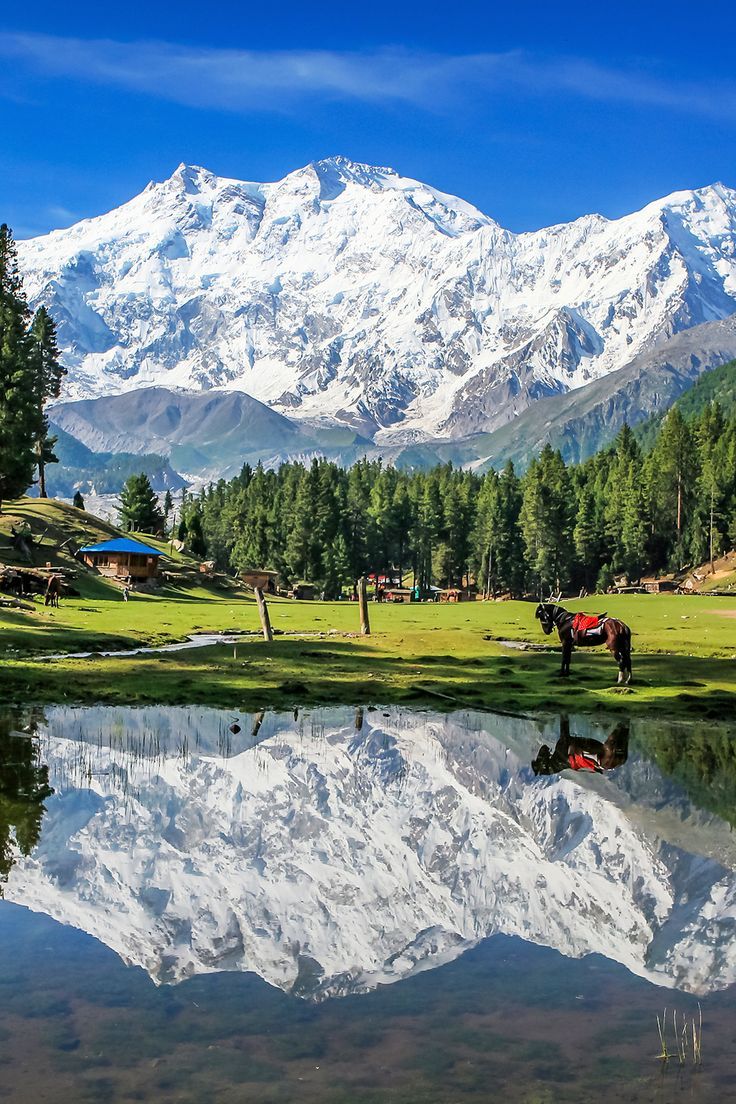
303,591
398,594
123,558
659,586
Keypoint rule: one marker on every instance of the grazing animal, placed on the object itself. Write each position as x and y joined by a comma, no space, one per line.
615,634
11,583
53,591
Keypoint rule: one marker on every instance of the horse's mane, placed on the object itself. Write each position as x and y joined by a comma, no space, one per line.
553,607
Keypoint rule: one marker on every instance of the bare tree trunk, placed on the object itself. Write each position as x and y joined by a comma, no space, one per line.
365,626
263,613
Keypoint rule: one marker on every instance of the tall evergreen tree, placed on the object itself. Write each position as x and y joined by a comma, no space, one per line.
547,520
18,410
673,471
499,548
195,536
139,509
585,534
49,373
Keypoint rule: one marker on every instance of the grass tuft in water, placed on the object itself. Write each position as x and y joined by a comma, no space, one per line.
681,1038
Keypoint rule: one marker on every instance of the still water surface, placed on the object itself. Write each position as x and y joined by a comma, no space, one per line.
360,905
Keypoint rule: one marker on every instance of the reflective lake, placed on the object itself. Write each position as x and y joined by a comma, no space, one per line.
362,905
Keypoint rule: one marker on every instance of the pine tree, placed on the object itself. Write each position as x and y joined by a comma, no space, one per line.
195,536
49,374
498,558
18,413
673,471
337,568
78,500
168,503
139,508
428,520
708,537
585,534
546,519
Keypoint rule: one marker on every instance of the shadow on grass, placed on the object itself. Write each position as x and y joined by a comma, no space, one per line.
288,672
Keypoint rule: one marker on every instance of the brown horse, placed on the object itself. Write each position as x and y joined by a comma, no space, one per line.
610,631
53,591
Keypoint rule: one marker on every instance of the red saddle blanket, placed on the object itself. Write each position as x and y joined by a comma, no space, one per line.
583,622
584,761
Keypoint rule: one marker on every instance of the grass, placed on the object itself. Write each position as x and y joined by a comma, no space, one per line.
444,655
682,1037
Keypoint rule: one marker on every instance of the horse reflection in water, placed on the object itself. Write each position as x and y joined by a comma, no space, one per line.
580,753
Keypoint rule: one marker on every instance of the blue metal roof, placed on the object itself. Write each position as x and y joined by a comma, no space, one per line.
122,544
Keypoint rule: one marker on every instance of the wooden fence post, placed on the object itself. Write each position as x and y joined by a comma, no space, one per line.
263,613
365,625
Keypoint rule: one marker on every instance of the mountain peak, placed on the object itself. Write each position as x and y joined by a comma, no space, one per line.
359,171
191,178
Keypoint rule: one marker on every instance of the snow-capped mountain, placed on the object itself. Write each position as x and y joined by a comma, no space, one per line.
346,850
348,291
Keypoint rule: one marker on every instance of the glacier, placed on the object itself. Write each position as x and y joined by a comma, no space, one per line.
349,292
335,850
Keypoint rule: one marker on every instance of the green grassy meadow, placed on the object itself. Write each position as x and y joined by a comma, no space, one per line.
443,655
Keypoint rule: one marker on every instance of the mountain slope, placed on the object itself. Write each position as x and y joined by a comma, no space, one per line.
100,473
209,433
580,422
348,291
716,386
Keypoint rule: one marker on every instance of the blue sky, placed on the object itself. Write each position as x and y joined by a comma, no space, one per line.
537,113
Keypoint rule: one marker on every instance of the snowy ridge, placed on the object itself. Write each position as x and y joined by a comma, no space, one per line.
335,854
348,291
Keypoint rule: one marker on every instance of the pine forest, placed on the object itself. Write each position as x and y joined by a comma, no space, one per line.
624,512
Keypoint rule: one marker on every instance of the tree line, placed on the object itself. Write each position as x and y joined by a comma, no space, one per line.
623,512
30,375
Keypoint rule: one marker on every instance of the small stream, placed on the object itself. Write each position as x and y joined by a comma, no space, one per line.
195,640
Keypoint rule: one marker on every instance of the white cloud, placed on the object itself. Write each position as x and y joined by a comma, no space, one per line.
250,80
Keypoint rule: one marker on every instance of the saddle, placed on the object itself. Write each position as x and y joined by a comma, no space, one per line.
587,624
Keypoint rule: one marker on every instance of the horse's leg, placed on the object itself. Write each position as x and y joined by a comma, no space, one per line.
566,654
614,647
621,653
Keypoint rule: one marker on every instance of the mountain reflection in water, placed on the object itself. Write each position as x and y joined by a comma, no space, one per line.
336,850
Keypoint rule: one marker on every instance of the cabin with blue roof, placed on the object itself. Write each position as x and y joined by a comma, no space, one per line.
124,559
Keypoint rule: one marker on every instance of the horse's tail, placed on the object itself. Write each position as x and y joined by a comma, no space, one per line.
626,634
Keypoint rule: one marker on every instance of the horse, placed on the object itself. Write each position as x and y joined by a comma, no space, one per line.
53,591
615,634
